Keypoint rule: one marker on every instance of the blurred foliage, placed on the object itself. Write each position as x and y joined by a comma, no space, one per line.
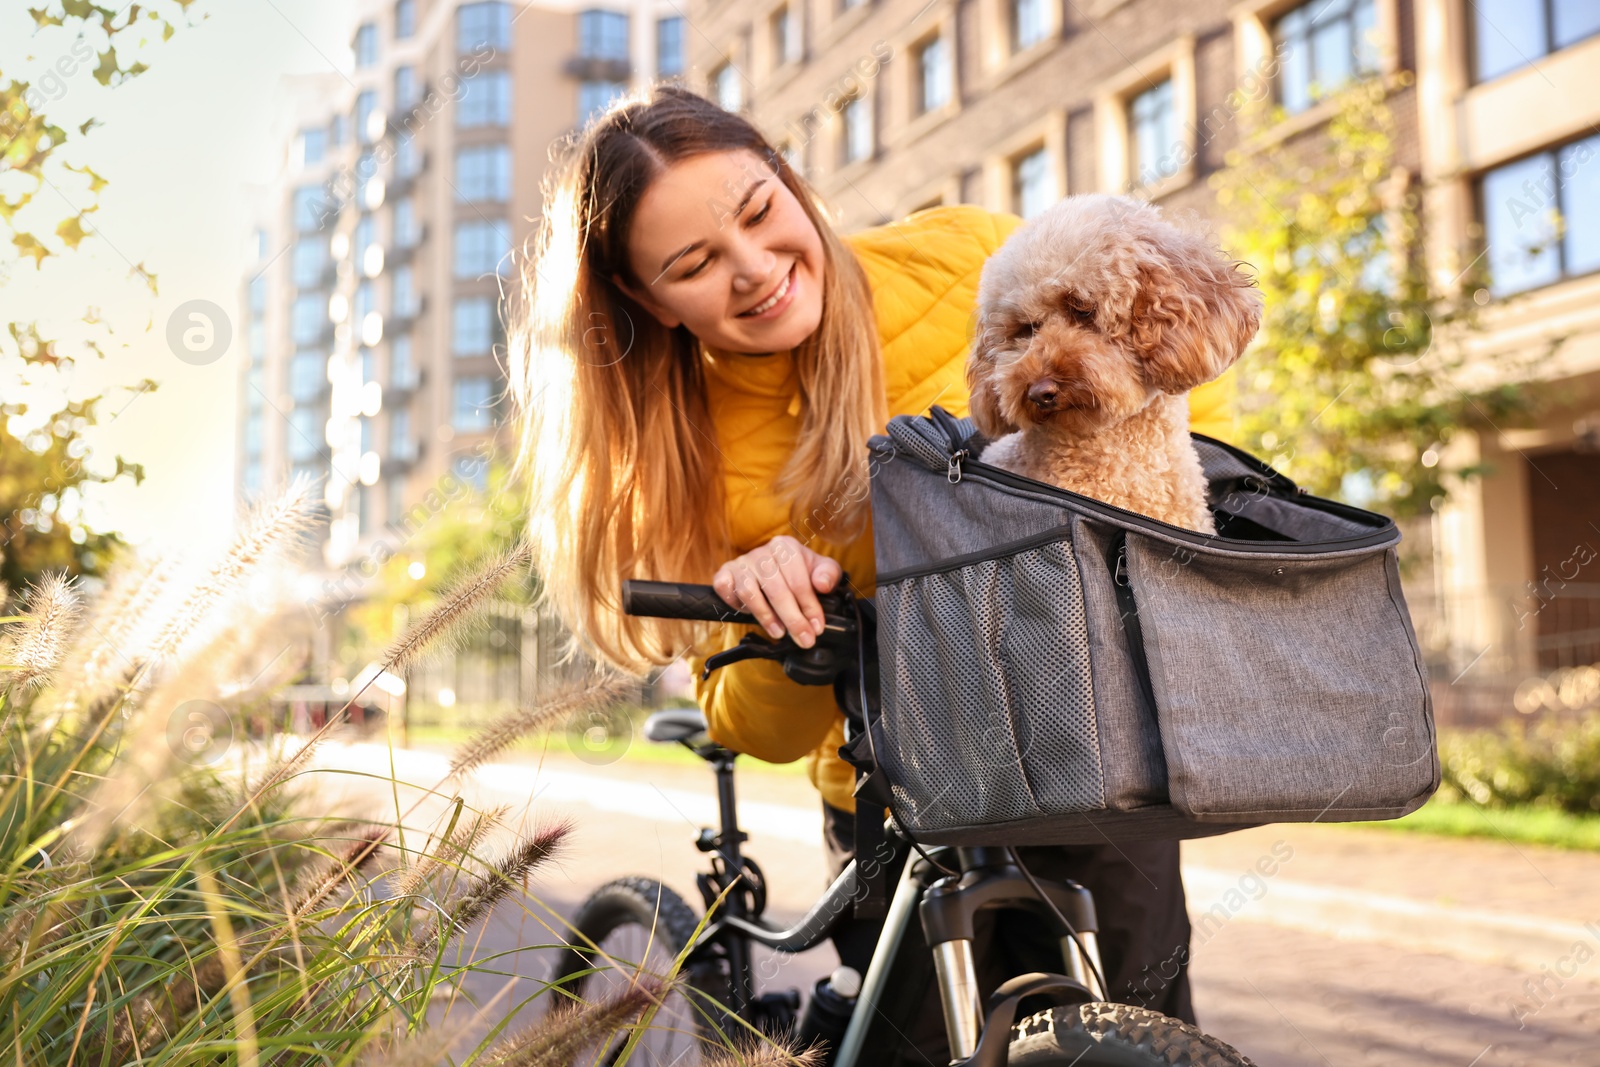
43,454
1353,385
1551,763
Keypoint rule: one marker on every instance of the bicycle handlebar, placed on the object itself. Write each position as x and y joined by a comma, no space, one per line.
835,647
679,600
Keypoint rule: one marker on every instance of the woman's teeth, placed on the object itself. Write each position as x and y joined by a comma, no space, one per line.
766,304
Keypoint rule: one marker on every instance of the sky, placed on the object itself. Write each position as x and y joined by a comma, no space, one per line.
182,147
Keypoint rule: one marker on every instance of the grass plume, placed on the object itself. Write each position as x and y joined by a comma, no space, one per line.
570,1029
458,607
35,648
273,528
483,893
511,727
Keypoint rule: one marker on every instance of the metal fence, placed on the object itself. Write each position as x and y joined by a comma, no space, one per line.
1495,654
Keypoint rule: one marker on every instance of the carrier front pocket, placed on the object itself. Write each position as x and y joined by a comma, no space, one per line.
988,699
1288,688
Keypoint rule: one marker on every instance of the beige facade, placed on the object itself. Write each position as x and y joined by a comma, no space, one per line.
387,247
1042,98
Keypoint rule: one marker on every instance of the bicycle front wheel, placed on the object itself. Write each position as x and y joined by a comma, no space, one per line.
641,926
1115,1035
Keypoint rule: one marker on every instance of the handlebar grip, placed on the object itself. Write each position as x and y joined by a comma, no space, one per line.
679,600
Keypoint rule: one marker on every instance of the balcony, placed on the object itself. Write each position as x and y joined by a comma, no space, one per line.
596,68
404,180
404,382
404,453
402,252
401,318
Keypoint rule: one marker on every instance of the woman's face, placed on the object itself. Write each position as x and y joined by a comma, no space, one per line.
715,238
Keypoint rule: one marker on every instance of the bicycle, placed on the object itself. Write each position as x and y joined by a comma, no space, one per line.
945,886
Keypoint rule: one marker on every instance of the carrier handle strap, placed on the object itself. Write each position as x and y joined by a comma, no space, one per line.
951,427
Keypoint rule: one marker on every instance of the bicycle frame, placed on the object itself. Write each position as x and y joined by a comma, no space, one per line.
945,905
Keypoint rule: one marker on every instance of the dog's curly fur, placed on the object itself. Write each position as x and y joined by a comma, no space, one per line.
1095,319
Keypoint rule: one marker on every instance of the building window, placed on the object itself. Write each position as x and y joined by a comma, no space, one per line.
310,259
1510,34
1032,185
857,129
308,316
405,18
366,302
603,35
407,158
366,104
313,146
1153,135
400,370
669,46
480,248
368,364
257,342
252,434
1541,217
366,45
365,234
1324,45
405,223
258,294
726,83
250,481
483,25
403,293
308,376
255,387
406,92
472,407
791,156
786,34
338,130
595,96
305,434
485,100
1030,23
472,326
933,69
310,208
400,431
483,173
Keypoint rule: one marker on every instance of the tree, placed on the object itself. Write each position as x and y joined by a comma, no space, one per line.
1353,386
43,453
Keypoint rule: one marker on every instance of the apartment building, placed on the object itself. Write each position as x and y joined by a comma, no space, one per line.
895,105
387,248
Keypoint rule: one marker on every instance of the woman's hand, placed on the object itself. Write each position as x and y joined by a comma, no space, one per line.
778,584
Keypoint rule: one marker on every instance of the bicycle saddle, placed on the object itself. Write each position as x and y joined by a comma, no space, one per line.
674,724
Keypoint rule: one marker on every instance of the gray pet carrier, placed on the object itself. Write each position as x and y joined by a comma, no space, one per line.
1057,670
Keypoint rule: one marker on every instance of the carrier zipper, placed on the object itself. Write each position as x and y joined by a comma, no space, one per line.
1128,611
1133,518
952,471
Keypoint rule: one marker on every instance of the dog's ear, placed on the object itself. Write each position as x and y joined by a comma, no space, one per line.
1193,312
983,399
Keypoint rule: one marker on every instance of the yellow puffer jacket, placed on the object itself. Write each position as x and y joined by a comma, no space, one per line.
923,271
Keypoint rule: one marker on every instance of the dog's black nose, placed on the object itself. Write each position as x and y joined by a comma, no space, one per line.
1042,394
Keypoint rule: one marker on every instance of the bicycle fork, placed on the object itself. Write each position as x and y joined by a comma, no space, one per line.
947,910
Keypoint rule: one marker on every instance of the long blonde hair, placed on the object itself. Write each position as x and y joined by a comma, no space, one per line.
615,435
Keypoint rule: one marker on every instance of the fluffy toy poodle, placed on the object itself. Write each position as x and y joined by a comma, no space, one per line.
1095,320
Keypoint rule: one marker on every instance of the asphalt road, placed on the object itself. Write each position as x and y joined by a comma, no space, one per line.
1285,997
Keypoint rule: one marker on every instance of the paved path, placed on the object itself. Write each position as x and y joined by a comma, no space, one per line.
1362,947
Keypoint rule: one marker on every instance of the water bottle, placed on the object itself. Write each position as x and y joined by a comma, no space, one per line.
827,1013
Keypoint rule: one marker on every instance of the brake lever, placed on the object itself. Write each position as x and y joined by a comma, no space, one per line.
751,646
818,665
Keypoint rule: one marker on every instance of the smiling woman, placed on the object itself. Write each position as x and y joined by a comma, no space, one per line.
675,237
699,363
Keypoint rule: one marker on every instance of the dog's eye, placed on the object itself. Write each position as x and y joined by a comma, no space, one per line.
1023,330
1081,313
